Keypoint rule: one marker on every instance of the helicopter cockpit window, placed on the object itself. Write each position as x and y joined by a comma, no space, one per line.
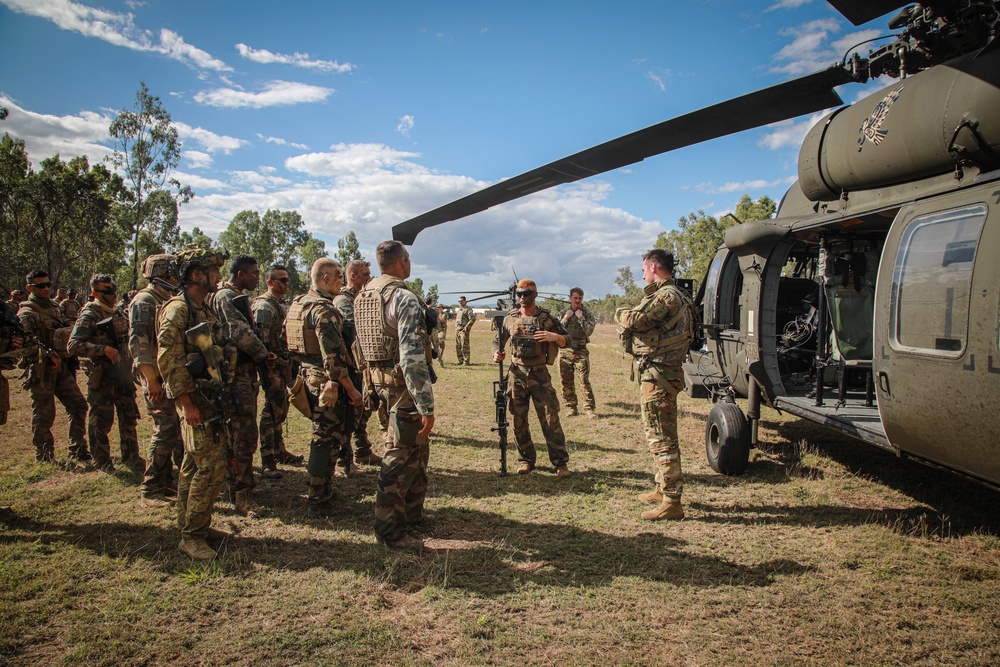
932,282
722,289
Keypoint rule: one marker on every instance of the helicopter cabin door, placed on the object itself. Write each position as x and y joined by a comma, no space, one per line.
937,360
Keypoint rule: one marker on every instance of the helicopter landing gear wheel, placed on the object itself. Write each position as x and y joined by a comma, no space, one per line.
727,439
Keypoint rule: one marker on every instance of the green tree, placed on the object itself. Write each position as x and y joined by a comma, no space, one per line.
432,293
347,249
276,238
748,210
146,151
313,249
417,286
626,283
195,237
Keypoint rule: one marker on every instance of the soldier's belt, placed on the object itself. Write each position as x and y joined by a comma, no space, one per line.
388,377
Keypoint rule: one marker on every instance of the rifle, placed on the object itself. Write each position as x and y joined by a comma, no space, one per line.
123,381
242,305
211,374
500,396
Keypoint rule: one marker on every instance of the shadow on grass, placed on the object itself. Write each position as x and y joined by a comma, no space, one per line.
485,553
512,450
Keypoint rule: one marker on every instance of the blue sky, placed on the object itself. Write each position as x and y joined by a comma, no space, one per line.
361,115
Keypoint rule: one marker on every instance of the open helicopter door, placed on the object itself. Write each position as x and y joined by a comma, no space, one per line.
937,361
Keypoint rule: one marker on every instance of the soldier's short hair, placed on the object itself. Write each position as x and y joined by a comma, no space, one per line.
576,290
321,267
355,265
272,270
661,258
525,283
35,274
388,253
241,263
73,292
99,278
461,298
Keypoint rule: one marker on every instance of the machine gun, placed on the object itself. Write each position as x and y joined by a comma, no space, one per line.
500,395
123,381
211,375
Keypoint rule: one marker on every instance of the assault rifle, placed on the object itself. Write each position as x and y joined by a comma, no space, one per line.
123,381
500,394
211,375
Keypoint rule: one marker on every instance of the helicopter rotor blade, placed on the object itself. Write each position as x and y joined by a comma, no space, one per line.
863,11
790,99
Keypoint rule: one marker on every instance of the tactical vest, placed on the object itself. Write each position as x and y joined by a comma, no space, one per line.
668,342
378,341
523,347
55,331
302,338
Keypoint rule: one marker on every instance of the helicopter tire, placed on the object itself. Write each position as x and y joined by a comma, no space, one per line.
727,439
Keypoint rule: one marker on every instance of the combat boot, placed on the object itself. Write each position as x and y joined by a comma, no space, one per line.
136,464
370,459
563,471
196,549
354,471
155,500
524,468
571,411
405,543
288,458
665,510
269,467
653,497
246,506
591,413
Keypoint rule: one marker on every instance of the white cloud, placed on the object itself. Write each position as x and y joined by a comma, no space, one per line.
787,4
813,48
354,159
656,79
275,93
70,136
296,60
197,159
199,183
117,29
405,125
281,142
257,181
209,140
788,133
741,186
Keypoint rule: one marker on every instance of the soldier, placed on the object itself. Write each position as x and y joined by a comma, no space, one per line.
70,307
314,331
61,294
464,319
358,274
11,341
440,333
269,318
101,336
244,275
579,323
186,321
16,297
52,375
533,333
393,337
661,328
166,448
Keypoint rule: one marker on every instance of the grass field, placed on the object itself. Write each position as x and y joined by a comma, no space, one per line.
826,552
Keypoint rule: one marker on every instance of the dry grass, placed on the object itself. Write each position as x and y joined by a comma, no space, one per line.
826,552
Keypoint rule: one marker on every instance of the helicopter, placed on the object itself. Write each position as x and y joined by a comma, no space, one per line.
869,302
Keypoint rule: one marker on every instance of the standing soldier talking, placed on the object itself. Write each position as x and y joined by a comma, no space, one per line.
165,446
392,332
101,336
244,275
464,319
189,341
661,328
314,332
579,323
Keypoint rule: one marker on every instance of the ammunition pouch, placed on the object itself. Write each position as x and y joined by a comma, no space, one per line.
298,396
551,353
387,377
95,373
60,340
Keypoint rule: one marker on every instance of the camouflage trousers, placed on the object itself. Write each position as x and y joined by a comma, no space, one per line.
462,345
203,472
272,419
578,360
43,414
659,417
245,433
327,442
105,400
166,448
362,444
402,481
437,342
533,384
4,399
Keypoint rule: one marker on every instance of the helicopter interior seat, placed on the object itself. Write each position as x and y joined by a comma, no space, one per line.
852,316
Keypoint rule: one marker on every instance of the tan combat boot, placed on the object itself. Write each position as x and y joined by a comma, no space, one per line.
665,510
563,471
653,497
246,506
196,549
405,543
591,413
269,467
372,459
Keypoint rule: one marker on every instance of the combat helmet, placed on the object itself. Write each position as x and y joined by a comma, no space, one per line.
195,255
157,266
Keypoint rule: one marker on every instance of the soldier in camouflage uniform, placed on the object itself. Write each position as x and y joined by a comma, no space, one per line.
464,319
393,337
244,275
579,323
206,426
166,448
358,274
109,375
16,297
52,376
70,307
314,331
11,344
440,334
534,335
661,328
269,318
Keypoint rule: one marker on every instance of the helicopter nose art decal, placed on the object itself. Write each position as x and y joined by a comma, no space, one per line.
871,127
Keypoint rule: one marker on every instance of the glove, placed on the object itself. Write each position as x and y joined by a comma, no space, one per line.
328,395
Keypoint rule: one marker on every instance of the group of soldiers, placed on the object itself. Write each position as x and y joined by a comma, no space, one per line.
201,354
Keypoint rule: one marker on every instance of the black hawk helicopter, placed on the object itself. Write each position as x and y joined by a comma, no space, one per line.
878,279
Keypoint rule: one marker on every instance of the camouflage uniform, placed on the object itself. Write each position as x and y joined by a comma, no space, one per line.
314,331
205,448
662,326
393,336
7,332
438,337
576,355
109,386
70,309
269,318
529,381
41,318
165,446
362,413
464,319
244,389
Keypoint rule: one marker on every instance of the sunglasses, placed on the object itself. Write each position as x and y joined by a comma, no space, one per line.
40,285
523,292
281,280
107,290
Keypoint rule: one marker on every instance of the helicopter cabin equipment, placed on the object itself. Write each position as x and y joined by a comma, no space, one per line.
879,274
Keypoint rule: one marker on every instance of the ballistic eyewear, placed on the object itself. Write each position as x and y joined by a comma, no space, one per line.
282,280
107,290
40,285
523,292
